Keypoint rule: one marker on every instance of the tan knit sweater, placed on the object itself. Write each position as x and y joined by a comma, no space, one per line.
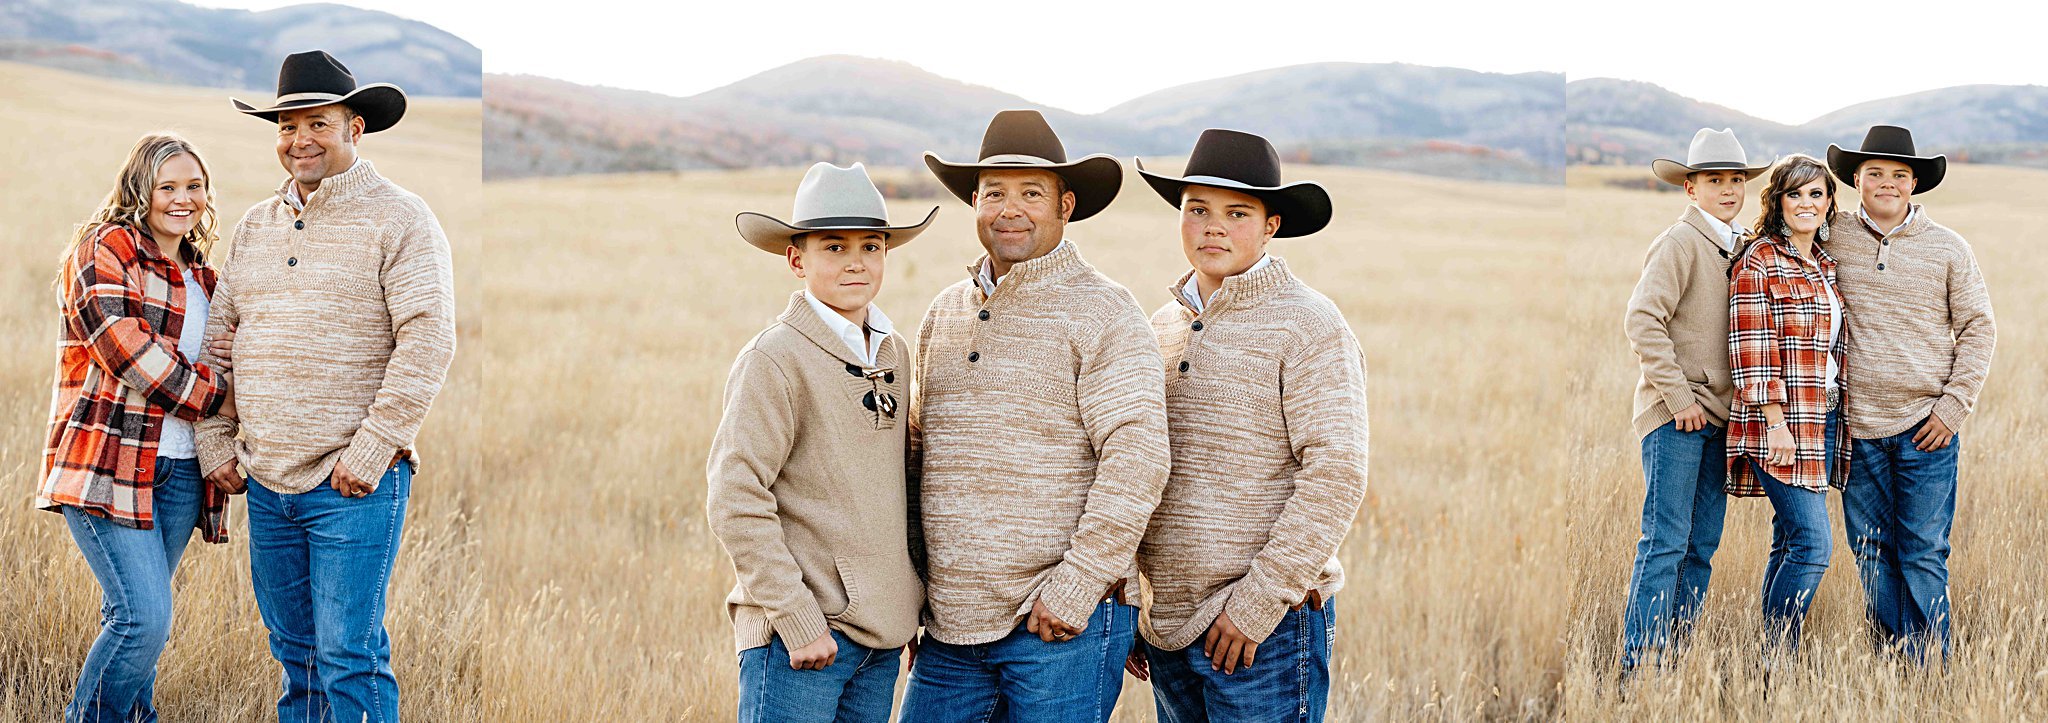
805,488
1043,435
1268,427
346,316
1920,330
1677,323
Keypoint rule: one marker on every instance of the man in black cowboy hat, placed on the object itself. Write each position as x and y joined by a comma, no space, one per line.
1039,415
1920,340
342,295
1265,409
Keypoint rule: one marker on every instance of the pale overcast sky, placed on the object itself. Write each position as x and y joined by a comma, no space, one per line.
1786,62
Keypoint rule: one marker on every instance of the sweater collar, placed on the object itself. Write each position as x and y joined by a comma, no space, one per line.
338,188
1244,290
1059,263
801,317
1914,221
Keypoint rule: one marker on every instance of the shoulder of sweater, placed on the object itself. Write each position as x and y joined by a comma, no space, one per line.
394,196
1308,315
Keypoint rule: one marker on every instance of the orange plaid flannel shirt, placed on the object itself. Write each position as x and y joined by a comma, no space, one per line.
1778,350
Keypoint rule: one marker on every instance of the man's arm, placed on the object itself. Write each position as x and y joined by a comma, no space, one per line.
1121,391
1666,271
1969,313
747,454
214,436
1322,398
419,290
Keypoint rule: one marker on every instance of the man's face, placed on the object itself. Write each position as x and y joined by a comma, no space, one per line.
1887,187
1719,193
1223,232
1020,214
318,142
841,268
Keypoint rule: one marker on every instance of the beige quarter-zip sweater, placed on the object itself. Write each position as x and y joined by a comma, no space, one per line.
1041,421
1265,406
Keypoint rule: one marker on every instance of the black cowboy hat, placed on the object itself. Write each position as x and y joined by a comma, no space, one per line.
1246,163
1021,139
1890,143
314,78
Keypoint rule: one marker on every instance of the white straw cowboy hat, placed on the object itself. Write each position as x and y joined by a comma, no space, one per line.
314,78
829,199
1248,164
1021,139
1711,150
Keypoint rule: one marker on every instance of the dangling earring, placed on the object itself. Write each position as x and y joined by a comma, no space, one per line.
1823,234
1782,230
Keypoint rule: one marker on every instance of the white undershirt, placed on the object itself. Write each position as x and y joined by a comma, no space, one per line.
1727,232
176,441
1834,331
1193,293
864,346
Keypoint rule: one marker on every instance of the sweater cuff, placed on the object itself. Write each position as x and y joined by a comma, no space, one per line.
1256,607
215,449
1952,412
802,626
1674,402
1070,596
368,457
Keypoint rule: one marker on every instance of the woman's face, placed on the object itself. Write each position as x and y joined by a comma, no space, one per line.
178,200
1806,207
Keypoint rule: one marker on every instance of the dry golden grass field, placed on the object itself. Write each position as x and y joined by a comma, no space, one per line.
617,304
2000,666
62,140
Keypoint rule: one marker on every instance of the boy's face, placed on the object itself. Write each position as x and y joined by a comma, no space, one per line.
1223,232
1887,187
841,268
1719,193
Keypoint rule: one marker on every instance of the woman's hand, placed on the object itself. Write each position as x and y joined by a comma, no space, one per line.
1782,447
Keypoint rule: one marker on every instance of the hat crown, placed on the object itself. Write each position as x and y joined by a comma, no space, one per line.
314,71
1890,140
1710,146
1021,133
834,196
1237,156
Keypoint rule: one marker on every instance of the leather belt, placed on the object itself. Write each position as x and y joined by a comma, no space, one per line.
1313,600
1116,592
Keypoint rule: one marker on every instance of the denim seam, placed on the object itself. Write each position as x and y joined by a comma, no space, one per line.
1302,641
383,585
99,684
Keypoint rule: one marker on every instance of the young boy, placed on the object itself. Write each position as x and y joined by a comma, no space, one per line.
1266,415
806,473
1678,325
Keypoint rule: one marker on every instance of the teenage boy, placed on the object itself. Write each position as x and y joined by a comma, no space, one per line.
1677,323
806,477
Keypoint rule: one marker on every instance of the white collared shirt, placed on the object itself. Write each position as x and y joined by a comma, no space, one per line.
1193,293
1911,211
865,346
291,189
989,281
1727,232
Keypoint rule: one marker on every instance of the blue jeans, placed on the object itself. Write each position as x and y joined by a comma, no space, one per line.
1683,505
1801,542
860,685
1022,679
134,570
1898,510
320,563
1288,681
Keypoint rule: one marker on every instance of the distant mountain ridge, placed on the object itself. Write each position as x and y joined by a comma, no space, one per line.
1441,121
1626,122
173,42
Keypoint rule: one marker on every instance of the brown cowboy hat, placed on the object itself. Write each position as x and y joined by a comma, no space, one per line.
1890,143
1021,139
1246,163
314,78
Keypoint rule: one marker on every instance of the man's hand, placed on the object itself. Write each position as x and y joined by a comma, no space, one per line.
1933,435
1226,646
1691,419
223,348
226,480
346,483
816,655
1137,663
1048,626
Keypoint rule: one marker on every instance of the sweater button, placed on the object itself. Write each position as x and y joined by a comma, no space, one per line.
1880,267
984,315
1198,326
1183,367
293,261
973,356
300,225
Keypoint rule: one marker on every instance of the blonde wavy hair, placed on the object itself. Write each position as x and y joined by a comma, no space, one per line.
128,203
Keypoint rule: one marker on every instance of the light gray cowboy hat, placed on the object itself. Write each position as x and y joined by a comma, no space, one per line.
829,199
1711,150
1021,139
314,78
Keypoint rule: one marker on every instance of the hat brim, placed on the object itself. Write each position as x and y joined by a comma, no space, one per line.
1674,173
1927,172
380,104
770,234
1093,180
1303,206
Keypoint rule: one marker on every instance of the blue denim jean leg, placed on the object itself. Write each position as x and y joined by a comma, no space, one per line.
1288,682
1683,509
1021,679
321,564
1801,542
1898,510
859,686
134,569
